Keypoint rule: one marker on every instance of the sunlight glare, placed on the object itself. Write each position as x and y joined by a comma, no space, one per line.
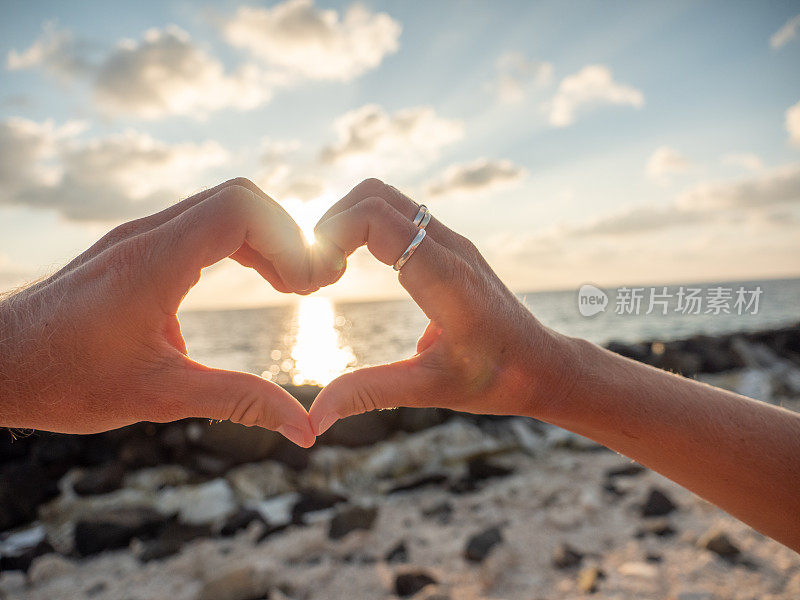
306,213
318,354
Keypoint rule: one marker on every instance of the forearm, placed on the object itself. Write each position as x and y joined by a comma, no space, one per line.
740,454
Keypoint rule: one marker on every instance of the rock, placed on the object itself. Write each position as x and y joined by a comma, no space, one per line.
258,481
170,540
50,566
719,543
205,503
17,550
291,455
99,480
480,545
156,478
239,520
136,453
417,419
566,556
115,528
209,464
657,527
278,510
409,583
397,554
241,583
416,482
640,352
351,518
235,442
312,500
638,569
480,469
657,504
628,470
442,512
589,578
23,487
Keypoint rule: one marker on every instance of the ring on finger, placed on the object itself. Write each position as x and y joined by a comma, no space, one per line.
410,250
423,214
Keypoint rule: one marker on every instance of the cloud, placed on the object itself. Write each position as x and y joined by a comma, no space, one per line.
313,43
786,33
105,179
590,87
477,176
666,161
166,74
778,186
517,74
409,134
793,123
56,51
746,160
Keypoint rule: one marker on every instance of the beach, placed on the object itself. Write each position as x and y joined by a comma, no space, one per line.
405,503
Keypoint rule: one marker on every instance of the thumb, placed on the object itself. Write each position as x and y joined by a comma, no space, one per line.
246,399
404,383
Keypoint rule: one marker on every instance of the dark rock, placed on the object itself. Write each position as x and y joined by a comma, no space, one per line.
409,583
629,470
652,557
56,450
351,518
397,554
138,453
23,487
236,443
480,469
589,578
291,455
418,481
611,487
657,527
640,352
99,480
361,430
481,544
418,419
657,504
97,588
115,528
719,543
441,512
239,520
209,464
566,556
312,500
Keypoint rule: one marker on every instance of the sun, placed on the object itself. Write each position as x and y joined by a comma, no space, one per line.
306,213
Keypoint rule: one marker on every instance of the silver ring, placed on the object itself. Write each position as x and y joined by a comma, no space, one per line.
421,213
410,250
425,220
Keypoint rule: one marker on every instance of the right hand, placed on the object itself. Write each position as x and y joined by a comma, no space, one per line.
482,352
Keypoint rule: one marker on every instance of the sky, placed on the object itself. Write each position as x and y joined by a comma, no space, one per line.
604,142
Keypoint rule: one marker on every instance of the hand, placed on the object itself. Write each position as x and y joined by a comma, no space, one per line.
98,345
475,354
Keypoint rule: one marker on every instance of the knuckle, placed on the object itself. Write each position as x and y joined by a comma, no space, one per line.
371,187
241,182
247,409
376,207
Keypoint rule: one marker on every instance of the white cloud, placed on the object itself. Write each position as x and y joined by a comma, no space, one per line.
793,123
314,43
745,160
592,86
410,134
666,161
777,186
167,74
786,33
477,176
517,74
56,51
106,179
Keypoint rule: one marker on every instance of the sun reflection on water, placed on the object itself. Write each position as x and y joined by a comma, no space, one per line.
318,354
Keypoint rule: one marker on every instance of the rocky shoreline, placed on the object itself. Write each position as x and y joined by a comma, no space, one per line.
407,503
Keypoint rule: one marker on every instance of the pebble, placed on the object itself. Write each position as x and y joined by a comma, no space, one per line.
351,518
409,583
660,527
397,554
99,480
241,583
205,503
719,543
566,556
589,578
480,545
257,481
657,504
115,528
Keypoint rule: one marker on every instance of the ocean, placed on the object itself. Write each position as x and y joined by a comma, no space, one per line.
315,339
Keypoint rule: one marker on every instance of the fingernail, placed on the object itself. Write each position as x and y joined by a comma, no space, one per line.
294,434
327,421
